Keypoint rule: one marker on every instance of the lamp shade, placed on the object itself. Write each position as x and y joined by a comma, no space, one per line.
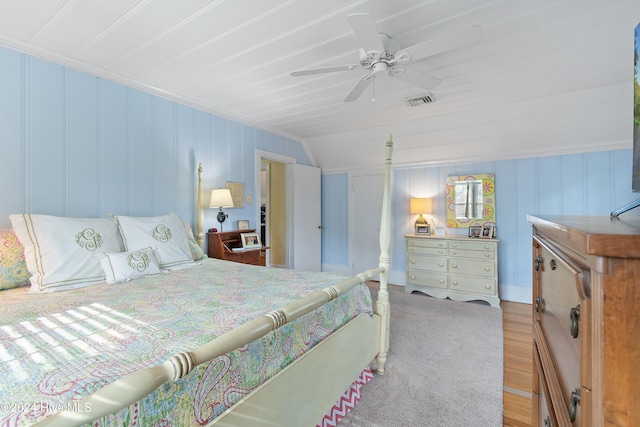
221,198
421,206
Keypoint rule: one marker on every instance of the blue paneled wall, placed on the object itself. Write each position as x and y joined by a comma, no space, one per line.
76,145
579,184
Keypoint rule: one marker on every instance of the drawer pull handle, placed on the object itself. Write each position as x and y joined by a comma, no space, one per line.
539,305
574,315
537,262
553,264
575,401
547,422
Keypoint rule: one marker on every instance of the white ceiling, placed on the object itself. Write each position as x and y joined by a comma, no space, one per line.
548,76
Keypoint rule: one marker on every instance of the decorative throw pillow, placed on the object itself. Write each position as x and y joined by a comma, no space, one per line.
13,268
166,234
123,266
59,251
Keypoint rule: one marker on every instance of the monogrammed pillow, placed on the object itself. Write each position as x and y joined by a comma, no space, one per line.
59,251
124,266
166,234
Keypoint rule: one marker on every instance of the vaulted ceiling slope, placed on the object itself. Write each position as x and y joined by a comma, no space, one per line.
546,77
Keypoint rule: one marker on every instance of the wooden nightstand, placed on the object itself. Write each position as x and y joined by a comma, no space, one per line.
225,245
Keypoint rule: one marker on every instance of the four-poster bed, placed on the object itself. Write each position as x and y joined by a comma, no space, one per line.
326,326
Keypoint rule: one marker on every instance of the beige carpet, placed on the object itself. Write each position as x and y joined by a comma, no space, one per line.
444,368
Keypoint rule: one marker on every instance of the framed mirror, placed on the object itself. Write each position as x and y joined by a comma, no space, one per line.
470,200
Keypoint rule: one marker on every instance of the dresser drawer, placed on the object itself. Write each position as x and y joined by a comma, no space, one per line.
473,246
427,278
426,243
560,306
466,253
426,250
430,263
472,267
474,285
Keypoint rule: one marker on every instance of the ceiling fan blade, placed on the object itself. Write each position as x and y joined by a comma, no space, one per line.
444,43
357,90
365,29
325,70
419,79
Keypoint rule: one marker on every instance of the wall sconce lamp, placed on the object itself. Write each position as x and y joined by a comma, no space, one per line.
421,206
221,198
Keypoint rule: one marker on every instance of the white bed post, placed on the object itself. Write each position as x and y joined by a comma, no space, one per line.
382,303
199,210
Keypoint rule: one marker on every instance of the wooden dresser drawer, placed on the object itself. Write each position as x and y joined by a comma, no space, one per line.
427,243
426,250
559,300
427,278
474,285
486,246
472,267
430,263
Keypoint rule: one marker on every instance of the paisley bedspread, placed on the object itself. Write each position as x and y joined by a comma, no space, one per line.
57,348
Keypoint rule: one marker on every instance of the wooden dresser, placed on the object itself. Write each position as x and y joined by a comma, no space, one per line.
460,268
586,321
227,245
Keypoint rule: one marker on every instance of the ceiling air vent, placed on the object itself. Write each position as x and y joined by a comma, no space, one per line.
421,100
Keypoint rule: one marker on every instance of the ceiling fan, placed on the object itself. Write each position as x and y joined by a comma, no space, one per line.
380,54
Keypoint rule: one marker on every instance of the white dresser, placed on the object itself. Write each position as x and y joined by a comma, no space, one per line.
460,268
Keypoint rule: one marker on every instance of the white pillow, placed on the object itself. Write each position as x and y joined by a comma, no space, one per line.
123,266
59,251
166,234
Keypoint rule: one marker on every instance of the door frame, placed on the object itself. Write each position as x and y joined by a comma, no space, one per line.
261,155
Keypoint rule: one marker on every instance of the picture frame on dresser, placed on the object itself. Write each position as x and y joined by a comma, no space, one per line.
475,231
243,224
423,229
487,232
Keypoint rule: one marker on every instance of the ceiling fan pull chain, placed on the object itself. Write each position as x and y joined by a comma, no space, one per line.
373,87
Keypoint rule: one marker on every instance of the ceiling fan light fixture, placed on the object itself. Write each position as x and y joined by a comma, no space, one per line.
427,98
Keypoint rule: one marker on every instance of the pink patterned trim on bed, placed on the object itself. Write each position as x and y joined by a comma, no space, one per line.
347,401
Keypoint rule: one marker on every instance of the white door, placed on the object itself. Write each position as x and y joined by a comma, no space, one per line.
366,203
307,227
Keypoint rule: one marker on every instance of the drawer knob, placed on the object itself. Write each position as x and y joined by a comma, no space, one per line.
441,281
441,265
455,283
440,252
539,305
487,247
454,265
487,269
413,261
537,262
487,255
454,252
574,315
488,286
412,250
441,244
413,277
453,245
573,407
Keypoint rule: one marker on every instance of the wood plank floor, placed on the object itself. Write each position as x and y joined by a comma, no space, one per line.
518,347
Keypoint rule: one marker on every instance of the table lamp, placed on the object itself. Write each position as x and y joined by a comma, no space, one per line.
421,206
221,198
